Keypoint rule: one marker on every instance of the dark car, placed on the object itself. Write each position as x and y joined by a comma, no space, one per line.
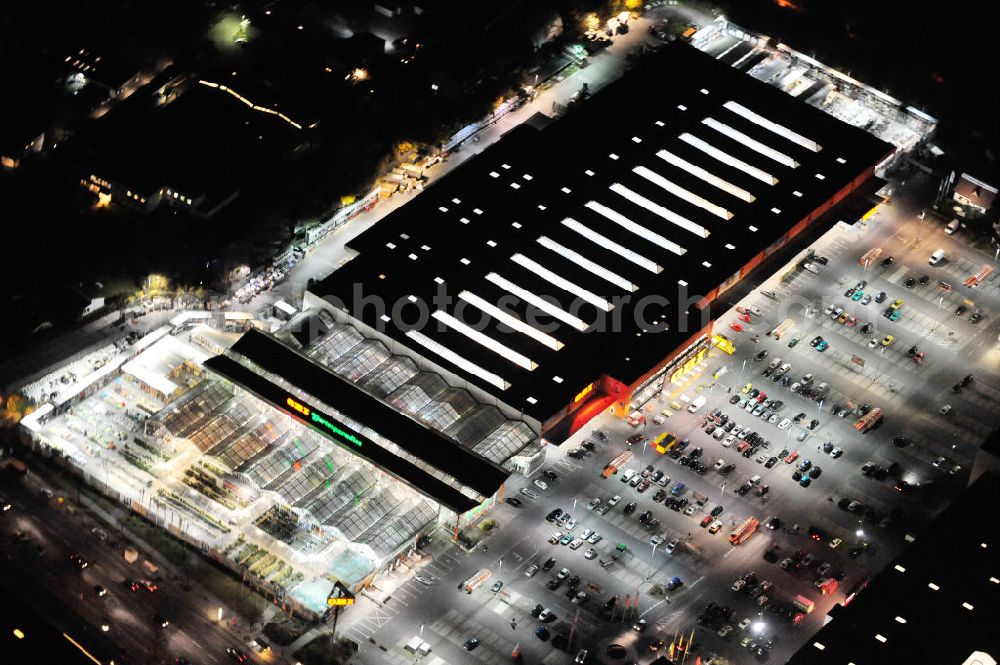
542,633
537,610
735,399
815,341
909,282
514,501
548,565
554,515
717,511
880,297
771,461
923,279
762,354
887,261
560,641
770,555
960,310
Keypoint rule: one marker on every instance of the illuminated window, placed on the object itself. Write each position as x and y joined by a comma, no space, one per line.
466,262
515,185
682,282
967,606
752,228
411,298
820,176
413,257
385,318
841,160
491,243
505,166
442,209
426,248
464,220
438,280
456,201
681,193
532,400
557,379
587,264
390,245
933,586
771,126
681,107
636,139
747,141
510,320
703,91
612,246
730,246
702,174
541,207
797,193
457,360
484,340
494,174
660,123
638,229
541,303
728,160
776,211
661,211
560,282
613,156
566,190
880,638
900,620
477,211
527,176
706,264
516,225
818,646
589,172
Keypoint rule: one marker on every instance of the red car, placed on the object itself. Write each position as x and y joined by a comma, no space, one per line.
919,357
792,457
743,446
736,326
708,520
745,318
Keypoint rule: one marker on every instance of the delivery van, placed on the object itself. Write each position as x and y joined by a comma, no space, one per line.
699,402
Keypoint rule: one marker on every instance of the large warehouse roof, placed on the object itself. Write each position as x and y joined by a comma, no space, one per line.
935,603
664,184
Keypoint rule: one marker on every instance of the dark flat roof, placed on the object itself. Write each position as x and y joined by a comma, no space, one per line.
959,553
422,442
514,198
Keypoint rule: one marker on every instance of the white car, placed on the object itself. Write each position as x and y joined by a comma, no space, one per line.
590,553
531,570
811,267
563,574
655,540
672,545
545,614
540,484
774,418
586,533
576,544
873,342
627,475
719,464
745,623
593,503
690,509
594,538
835,543
730,440
836,452
572,522
613,501
718,434
785,422
714,528
427,581
528,493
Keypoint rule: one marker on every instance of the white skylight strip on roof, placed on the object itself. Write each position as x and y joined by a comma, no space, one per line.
587,264
657,209
702,174
751,143
682,193
612,246
637,229
769,125
457,360
542,304
562,282
728,160
483,339
510,320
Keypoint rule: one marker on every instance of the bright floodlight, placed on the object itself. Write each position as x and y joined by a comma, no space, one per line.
484,340
449,355
701,173
751,143
728,159
638,229
769,125
612,246
682,193
859,533
759,627
659,210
